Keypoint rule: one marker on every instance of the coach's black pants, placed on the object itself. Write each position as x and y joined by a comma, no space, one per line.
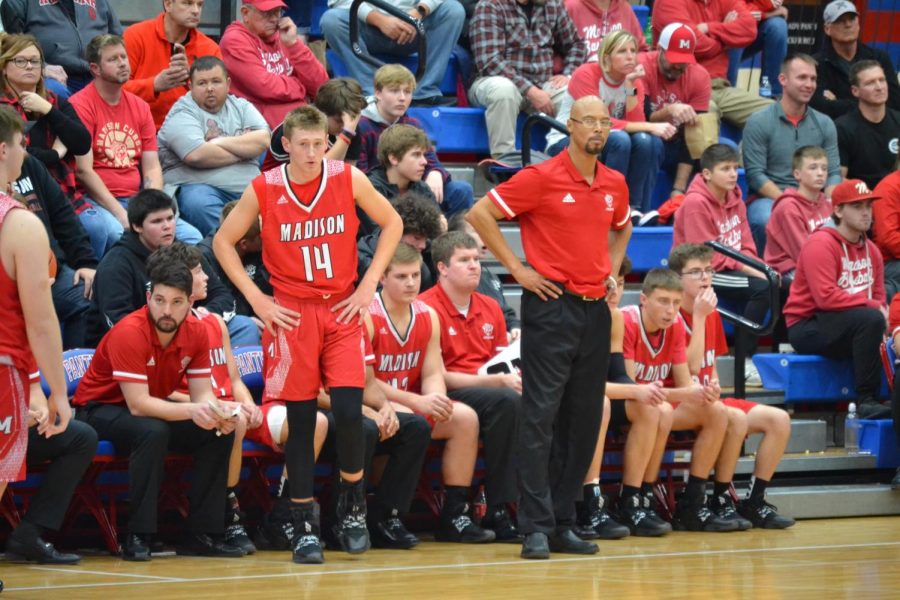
565,357
855,333
69,454
498,423
147,440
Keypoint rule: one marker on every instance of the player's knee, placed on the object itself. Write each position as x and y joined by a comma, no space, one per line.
465,420
737,422
716,416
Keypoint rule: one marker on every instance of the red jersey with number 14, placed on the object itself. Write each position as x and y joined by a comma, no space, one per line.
309,231
653,353
399,356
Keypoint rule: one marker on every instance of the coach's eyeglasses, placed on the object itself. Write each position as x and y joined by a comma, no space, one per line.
699,273
591,122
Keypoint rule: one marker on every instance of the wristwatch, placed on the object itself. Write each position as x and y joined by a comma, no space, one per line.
631,92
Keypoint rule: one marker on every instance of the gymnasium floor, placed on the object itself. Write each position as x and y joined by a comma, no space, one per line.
838,558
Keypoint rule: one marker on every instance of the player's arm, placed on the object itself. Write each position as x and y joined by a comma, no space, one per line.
38,408
433,365
618,242
696,347
686,390
241,394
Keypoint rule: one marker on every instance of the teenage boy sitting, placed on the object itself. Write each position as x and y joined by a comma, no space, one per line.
655,350
394,86
706,342
713,209
798,212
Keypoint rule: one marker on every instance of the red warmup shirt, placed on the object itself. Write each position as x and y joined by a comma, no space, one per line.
13,334
149,53
714,343
886,216
565,221
594,23
130,352
121,134
309,231
467,341
653,354
793,219
219,376
692,88
399,356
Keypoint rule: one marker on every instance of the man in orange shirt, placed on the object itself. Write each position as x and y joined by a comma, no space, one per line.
161,51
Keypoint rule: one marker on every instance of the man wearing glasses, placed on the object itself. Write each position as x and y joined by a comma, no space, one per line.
575,222
269,63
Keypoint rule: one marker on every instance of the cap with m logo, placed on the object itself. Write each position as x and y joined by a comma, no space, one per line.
851,190
678,42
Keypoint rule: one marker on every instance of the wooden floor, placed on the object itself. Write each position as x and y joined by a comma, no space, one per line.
841,558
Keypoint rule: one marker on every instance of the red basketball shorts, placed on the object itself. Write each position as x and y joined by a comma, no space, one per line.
13,423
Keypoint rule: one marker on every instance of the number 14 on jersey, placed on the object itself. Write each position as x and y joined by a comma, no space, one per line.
317,258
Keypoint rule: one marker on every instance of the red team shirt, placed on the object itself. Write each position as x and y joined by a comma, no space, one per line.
398,358
131,353
714,344
467,341
565,221
653,354
219,376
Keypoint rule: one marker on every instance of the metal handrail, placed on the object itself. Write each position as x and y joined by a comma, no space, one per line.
532,120
392,10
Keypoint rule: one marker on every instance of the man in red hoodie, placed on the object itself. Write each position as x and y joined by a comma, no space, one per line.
713,209
886,228
837,304
288,76
719,25
595,18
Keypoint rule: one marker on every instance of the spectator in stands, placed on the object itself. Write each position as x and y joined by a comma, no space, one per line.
719,25
401,162
65,456
713,209
654,348
405,335
120,283
383,33
595,19
489,284
124,157
65,29
210,144
869,135
886,228
837,307
124,395
161,51
770,43
342,101
288,75
513,47
472,332
773,135
394,86
634,147
76,263
841,48
894,327
677,90
705,343
798,212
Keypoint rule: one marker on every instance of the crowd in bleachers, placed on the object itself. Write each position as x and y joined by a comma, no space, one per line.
143,142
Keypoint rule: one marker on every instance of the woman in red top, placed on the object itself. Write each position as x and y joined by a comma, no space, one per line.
634,146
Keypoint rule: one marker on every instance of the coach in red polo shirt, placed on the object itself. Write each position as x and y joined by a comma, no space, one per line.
574,216
473,330
137,365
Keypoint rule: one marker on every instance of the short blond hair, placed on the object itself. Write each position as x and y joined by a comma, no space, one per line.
307,118
391,75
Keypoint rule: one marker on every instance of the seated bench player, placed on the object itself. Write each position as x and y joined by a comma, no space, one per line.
706,342
655,350
406,338
123,396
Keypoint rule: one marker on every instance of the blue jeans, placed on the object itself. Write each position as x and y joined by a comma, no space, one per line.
771,40
758,213
102,228
243,331
442,29
201,205
638,157
458,196
71,307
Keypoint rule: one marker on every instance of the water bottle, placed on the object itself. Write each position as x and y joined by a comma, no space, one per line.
851,430
765,87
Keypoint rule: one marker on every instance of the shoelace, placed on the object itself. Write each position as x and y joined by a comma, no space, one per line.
354,520
235,530
394,523
306,541
461,522
725,506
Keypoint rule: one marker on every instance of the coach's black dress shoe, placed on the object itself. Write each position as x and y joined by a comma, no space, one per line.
565,541
536,546
200,544
136,548
37,550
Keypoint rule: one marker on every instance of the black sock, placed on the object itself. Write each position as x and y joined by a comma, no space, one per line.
284,487
456,499
757,489
26,530
647,488
628,491
721,488
696,488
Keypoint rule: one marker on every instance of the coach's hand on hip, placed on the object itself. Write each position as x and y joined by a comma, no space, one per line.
536,283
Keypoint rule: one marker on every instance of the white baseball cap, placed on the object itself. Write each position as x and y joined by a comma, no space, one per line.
835,10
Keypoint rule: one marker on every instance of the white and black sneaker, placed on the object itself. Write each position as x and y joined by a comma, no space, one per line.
723,507
632,514
306,548
350,530
460,529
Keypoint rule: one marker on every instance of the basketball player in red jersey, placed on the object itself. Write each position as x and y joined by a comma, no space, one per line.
313,335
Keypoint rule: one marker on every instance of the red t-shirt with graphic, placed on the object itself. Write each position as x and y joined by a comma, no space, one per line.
653,353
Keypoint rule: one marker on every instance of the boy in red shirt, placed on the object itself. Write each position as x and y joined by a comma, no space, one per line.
798,212
473,331
706,342
313,336
654,350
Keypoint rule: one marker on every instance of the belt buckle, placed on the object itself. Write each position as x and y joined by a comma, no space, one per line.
589,299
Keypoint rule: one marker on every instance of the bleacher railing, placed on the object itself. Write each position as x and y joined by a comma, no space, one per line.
396,12
532,120
757,329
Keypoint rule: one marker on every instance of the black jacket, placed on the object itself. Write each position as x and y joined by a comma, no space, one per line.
68,239
834,76
252,264
120,287
378,177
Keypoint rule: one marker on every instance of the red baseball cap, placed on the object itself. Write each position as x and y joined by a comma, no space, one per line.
265,5
851,190
679,42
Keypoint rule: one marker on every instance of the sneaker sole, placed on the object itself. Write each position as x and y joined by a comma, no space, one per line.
309,560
